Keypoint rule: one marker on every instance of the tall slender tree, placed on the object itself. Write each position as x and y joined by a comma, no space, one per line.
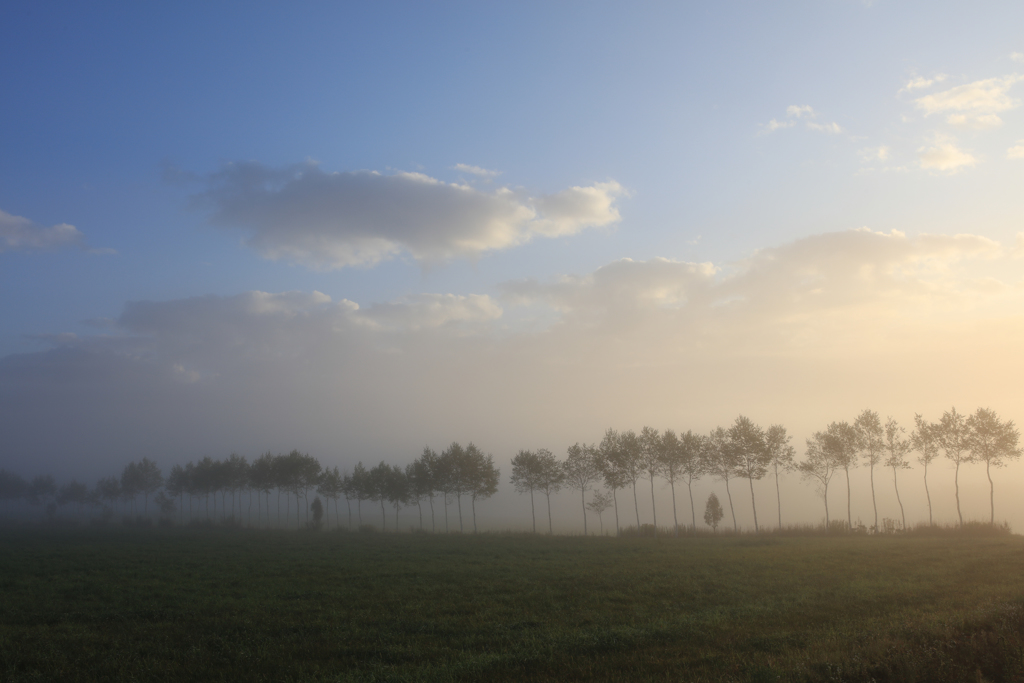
483,477
552,476
722,462
780,455
922,440
613,469
581,470
746,440
650,463
897,447
871,443
694,465
843,440
631,454
600,502
526,477
672,455
994,442
823,458
952,435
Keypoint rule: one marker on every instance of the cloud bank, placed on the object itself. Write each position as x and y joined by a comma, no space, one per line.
306,216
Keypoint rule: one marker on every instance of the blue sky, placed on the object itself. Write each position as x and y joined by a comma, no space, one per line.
729,137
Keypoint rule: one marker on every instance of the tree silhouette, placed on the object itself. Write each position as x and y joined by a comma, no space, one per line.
176,485
746,441
261,478
613,470
952,435
396,489
694,465
871,442
109,489
318,512
526,477
923,441
650,463
483,477
994,442
550,480
581,470
331,487
377,481
631,455
421,477
824,457
713,512
672,455
780,455
361,488
722,461
897,447
843,442
600,502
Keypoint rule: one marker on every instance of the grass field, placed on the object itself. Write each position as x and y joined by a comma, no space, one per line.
173,604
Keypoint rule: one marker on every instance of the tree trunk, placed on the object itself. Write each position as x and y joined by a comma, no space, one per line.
348,504
828,522
873,503
956,484
849,513
458,498
433,527
903,515
636,506
929,495
383,516
583,499
735,527
472,504
675,516
654,508
419,504
778,496
752,503
551,528
693,510
533,512
991,494
446,512
616,502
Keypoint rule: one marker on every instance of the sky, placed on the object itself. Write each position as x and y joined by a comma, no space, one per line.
360,229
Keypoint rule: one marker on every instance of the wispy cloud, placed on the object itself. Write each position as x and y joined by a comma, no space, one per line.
476,170
943,155
18,233
1017,151
976,103
920,82
331,220
804,112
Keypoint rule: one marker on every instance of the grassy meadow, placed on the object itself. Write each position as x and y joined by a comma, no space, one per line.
229,604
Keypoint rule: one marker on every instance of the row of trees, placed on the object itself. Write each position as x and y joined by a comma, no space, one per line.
744,450
621,460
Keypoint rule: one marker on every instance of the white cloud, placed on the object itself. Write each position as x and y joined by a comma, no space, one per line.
1017,56
944,155
331,220
1017,151
424,311
974,103
476,170
920,82
20,234
799,111
833,128
880,153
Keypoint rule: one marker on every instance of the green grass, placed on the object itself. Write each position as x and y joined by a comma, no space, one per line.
167,604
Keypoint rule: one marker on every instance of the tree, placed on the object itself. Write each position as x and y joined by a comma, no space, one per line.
109,489
261,478
779,455
994,442
396,489
631,455
843,441
871,443
425,480
483,477
550,480
746,440
600,502
318,512
694,465
377,481
897,446
360,486
713,512
824,457
650,464
952,435
73,492
526,477
331,487
145,479
580,470
176,484
923,441
41,491
672,456
613,470
459,475
446,474
722,462
418,475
